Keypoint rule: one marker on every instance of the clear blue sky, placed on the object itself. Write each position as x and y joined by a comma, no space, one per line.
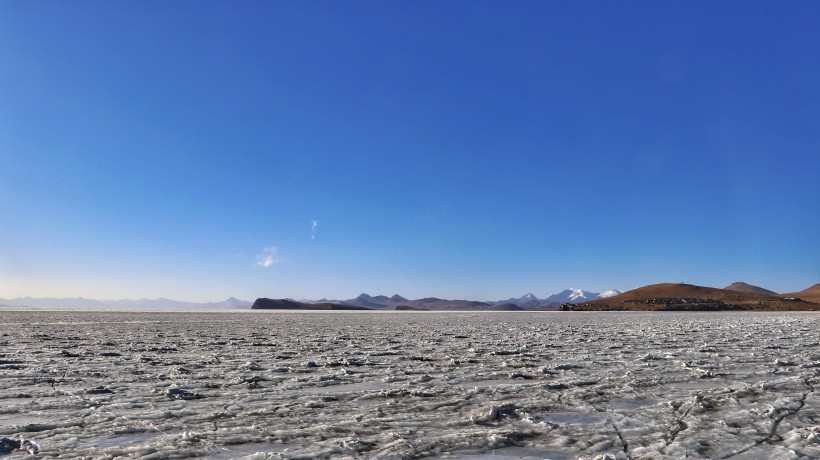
461,149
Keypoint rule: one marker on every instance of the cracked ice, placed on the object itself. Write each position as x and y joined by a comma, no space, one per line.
277,384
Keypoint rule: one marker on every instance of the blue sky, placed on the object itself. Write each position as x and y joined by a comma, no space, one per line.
199,150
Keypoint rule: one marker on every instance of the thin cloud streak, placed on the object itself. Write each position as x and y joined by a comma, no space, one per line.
269,257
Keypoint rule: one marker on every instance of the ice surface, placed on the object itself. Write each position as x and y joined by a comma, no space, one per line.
277,384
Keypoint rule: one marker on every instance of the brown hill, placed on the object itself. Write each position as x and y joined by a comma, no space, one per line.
743,287
679,297
811,294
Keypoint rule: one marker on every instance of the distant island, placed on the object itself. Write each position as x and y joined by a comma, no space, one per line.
657,297
285,304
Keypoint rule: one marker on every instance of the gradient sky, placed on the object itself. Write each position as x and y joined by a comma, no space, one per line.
462,149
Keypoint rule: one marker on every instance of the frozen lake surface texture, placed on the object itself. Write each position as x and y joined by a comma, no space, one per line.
276,384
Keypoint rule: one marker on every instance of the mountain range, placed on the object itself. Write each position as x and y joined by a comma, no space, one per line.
612,299
526,302
379,302
80,302
667,296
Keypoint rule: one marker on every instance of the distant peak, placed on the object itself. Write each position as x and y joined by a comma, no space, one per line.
573,295
745,287
737,284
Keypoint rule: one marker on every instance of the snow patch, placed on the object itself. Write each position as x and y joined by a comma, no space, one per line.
610,293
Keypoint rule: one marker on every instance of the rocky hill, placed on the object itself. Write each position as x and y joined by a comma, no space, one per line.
811,294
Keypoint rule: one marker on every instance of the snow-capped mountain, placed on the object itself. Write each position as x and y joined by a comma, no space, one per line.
573,296
528,300
610,293
529,297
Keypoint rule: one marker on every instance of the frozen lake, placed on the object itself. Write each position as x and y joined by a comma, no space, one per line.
278,384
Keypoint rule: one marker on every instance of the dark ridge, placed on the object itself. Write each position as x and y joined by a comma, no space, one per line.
263,303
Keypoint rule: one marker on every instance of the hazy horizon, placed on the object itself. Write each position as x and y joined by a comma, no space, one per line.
457,150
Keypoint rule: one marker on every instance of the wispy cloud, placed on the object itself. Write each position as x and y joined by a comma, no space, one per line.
269,257
314,224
